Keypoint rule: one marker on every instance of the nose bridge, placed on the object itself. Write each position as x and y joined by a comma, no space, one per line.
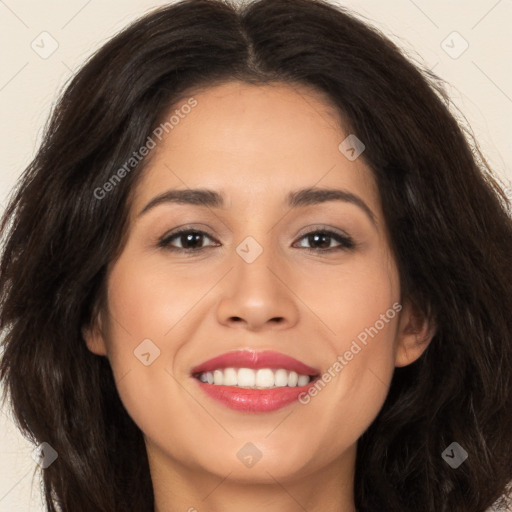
256,295
253,266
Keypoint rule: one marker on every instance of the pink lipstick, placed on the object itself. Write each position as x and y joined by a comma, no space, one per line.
251,381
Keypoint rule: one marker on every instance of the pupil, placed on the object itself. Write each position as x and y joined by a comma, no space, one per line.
313,239
190,239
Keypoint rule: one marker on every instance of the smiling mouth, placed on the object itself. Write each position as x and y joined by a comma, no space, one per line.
254,381
248,378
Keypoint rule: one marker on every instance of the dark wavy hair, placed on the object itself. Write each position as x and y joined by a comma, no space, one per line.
447,215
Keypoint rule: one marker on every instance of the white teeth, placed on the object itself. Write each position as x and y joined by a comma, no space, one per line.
281,377
263,378
218,377
292,379
246,377
302,380
230,378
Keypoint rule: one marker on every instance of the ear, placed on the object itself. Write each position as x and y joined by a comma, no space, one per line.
93,335
415,332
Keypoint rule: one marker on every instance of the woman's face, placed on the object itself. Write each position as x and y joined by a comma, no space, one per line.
261,276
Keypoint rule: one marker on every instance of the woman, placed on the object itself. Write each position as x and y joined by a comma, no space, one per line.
256,263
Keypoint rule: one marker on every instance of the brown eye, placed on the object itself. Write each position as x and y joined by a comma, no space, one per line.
323,239
189,240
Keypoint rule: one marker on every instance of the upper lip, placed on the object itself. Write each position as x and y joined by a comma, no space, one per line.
255,360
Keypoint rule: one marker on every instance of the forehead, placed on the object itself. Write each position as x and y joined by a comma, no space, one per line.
253,143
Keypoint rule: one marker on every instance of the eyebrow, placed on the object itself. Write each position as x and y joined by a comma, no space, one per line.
295,199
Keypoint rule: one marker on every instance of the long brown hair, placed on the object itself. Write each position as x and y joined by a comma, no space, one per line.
446,214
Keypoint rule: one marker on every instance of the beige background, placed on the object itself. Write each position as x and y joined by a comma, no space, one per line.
480,85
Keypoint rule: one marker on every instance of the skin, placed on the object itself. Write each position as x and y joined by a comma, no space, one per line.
255,144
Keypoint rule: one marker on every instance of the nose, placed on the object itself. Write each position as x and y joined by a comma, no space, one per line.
258,295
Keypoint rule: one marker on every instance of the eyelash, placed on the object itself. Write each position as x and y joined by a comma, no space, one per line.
346,242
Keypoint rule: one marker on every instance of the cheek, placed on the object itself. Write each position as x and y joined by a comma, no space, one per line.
361,308
355,383
356,300
153,310
144,308
149,298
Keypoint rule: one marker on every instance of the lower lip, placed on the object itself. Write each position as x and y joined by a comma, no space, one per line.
254,400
